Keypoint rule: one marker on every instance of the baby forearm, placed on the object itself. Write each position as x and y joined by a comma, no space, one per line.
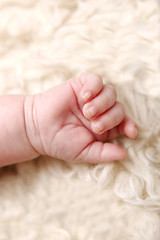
14,143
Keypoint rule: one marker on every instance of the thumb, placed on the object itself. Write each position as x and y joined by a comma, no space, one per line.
99,152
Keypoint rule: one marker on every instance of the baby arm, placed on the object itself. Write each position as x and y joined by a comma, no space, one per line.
70,122
14,143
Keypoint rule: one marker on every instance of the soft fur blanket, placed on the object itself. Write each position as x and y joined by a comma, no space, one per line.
45,42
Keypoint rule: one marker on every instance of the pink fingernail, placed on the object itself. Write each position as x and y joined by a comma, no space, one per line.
99,126
92,111
133,131
87,95
136,130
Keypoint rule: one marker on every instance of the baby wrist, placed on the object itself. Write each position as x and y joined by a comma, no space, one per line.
31,124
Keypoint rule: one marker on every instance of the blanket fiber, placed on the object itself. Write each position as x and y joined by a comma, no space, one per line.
42,44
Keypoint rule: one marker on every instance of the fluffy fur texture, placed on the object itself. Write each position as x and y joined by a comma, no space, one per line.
45,42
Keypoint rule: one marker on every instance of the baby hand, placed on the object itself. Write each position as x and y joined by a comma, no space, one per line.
71,121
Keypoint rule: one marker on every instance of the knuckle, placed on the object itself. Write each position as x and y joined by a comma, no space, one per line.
96,78
91,76
121,108
112,91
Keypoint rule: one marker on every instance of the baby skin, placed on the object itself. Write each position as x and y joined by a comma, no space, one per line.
71,121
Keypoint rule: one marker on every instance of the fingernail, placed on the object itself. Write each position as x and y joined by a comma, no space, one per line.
99,126
136,130
92,111
133,131
87,95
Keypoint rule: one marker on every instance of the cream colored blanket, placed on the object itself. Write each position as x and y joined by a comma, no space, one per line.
45,42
